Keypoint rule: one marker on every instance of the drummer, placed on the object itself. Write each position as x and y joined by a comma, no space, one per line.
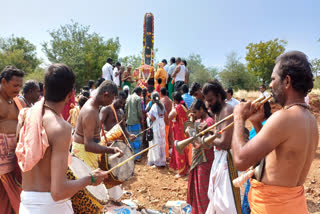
47,136
87,145
110,116
113,114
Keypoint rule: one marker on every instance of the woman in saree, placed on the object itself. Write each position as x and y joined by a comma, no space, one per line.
202,160
157,155
178,115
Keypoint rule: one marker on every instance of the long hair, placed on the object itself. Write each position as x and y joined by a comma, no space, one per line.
198,104
156,99
177,97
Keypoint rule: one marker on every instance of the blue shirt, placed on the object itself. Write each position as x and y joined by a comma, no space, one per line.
253,131
187,99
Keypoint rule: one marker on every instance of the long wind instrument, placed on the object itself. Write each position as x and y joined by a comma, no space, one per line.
180,145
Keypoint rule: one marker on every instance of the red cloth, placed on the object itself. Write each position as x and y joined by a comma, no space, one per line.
179,163
66,110
198,185
9,194
158,87
198,182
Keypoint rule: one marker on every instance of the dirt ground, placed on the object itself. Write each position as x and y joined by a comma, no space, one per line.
153,187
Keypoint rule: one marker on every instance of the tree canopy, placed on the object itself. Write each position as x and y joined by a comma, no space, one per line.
134,60
84,52
199,72
19,52
235,74
261,57
315,66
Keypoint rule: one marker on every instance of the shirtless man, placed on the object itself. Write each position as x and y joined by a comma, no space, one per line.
11,81
86,144
31,92
127,77
224,202
288,140
109,119
44,182
110,116
196,91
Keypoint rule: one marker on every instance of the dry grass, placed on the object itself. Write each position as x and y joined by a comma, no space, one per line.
246,94
254,94
315,91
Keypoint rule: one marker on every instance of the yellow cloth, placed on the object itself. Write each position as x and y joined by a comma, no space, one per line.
275,199
74,113
161,73
91,159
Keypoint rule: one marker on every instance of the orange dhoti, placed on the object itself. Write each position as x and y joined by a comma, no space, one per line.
276,199
9,194
9,175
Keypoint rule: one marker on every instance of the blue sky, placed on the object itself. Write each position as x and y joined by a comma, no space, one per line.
210,28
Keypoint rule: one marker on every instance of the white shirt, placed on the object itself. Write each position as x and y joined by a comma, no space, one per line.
171,69
233,101
107,71
93,93
182,74
264,94
166,68
116,79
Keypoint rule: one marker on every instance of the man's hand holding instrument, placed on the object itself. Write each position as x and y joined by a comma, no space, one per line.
180,145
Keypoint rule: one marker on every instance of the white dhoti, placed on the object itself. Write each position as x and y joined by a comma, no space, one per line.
157,155
220,190
42,202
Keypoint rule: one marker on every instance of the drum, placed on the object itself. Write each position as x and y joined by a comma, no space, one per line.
114,134
91,199
122,173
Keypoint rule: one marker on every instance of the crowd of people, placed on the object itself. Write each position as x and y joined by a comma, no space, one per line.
40,125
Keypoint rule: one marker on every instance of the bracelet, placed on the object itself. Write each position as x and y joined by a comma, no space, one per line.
93,180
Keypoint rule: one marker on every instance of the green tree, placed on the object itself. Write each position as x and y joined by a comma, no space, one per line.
199,72
235,74
19,52
37,74
315,66
261,57
134,60
84,52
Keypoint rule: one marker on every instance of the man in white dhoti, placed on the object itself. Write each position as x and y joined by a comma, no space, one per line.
223,197
43,149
